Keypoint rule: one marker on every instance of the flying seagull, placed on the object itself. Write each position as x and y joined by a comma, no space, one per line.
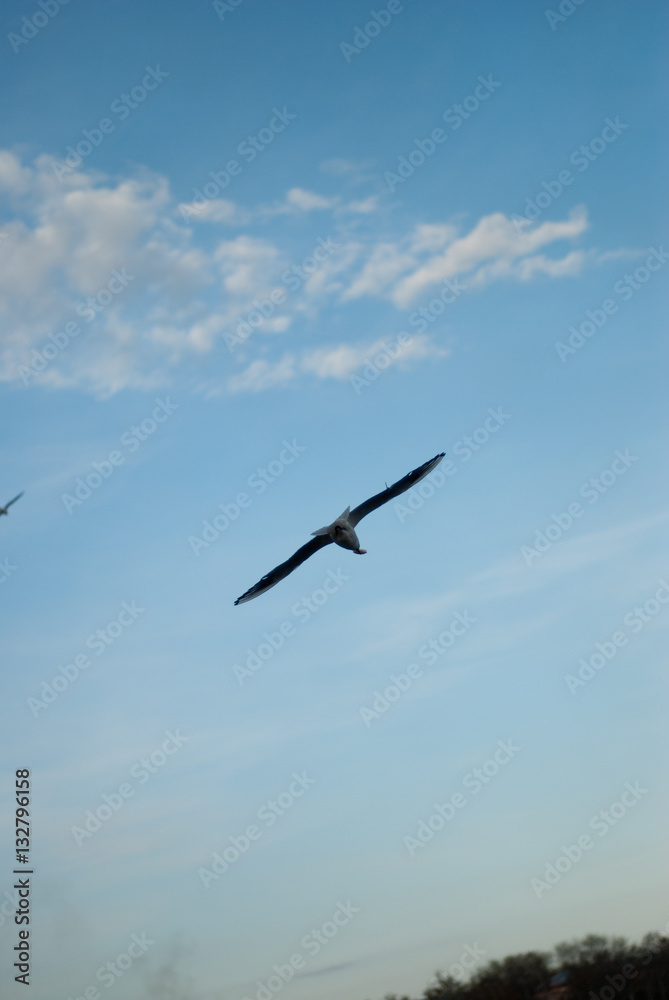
5,509
341,531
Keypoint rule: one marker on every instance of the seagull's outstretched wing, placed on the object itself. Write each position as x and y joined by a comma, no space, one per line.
363,509
18,497
285,568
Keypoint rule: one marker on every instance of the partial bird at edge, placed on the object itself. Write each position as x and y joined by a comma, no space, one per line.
341,531
5,509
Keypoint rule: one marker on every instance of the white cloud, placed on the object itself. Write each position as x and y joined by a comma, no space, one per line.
215,210
338,166
431,238
528,267
335,362
248,265
493,239
403,270
262,375
307,201
296,201
13,177
365,206
65,241
386,262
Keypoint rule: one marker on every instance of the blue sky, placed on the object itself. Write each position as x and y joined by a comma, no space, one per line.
449,238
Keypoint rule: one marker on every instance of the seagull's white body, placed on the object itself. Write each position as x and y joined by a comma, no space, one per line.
341,531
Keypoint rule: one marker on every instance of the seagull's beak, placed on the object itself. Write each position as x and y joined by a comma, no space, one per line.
360,552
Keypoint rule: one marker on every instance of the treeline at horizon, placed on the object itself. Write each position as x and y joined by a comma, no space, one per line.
593,968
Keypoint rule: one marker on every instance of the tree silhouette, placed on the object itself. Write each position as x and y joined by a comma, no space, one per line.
592,968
